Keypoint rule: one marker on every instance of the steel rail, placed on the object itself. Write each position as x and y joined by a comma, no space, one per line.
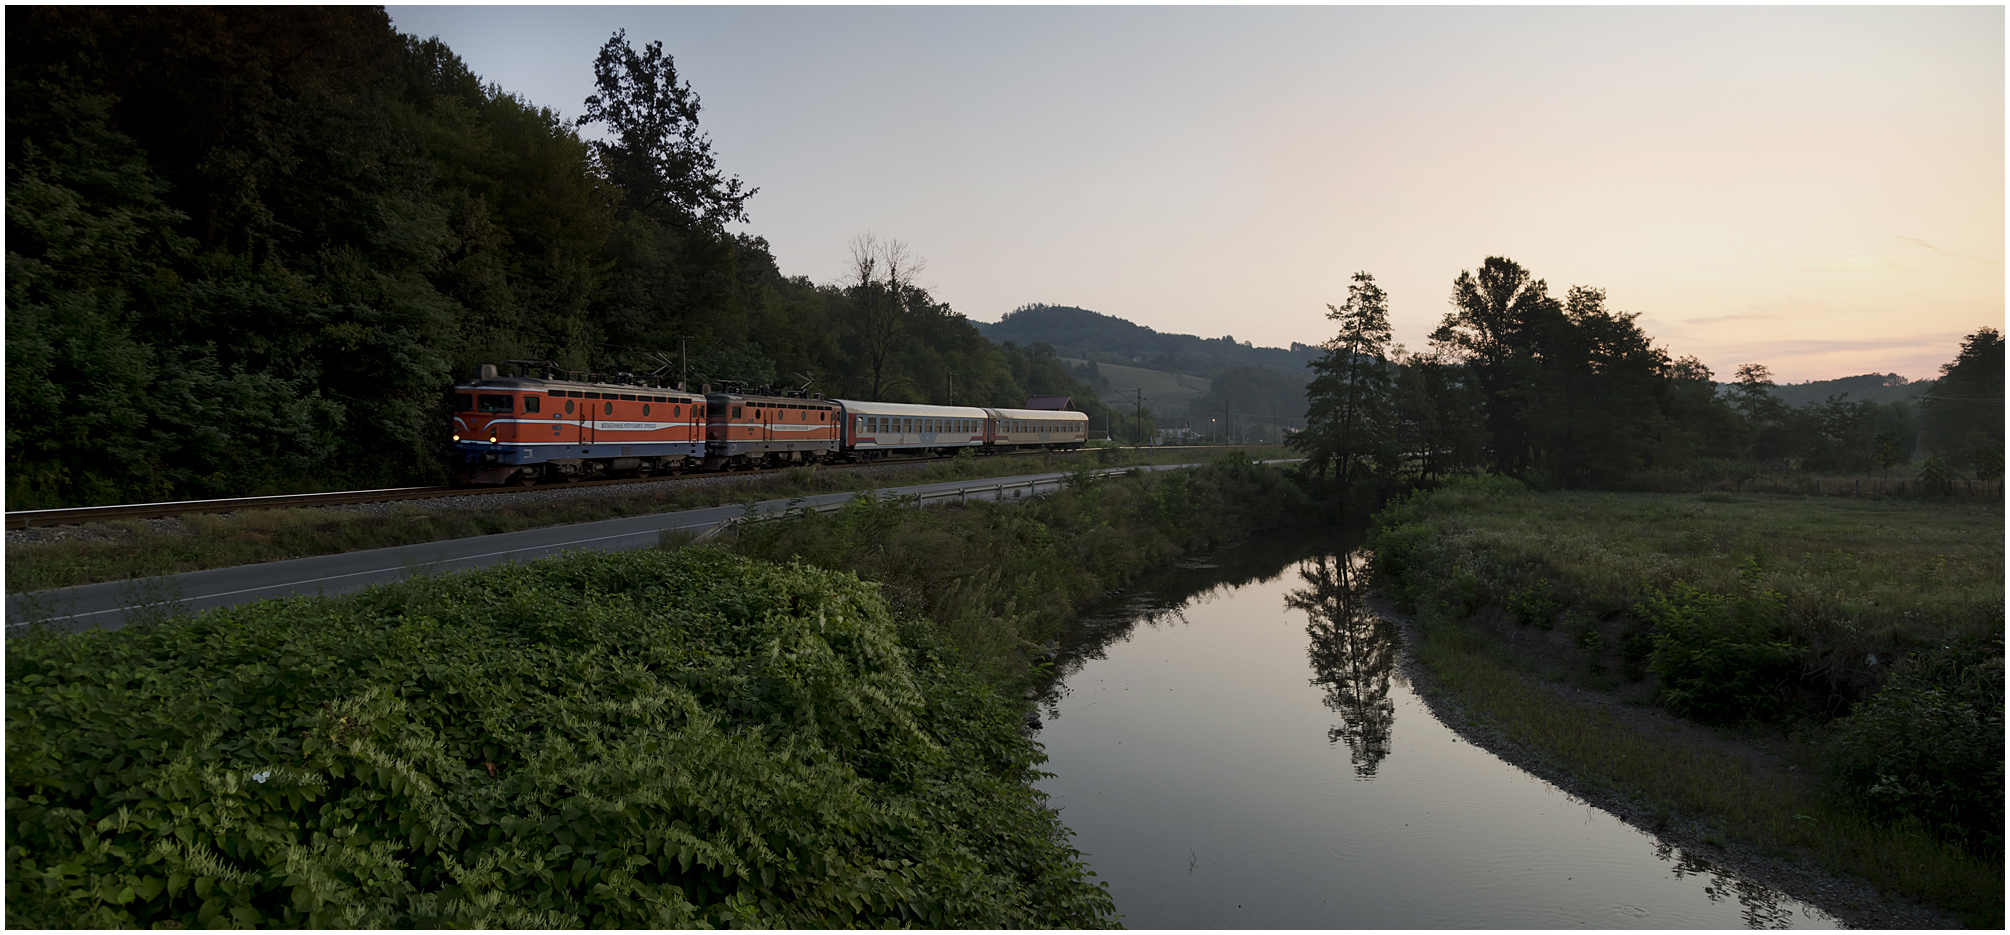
24,519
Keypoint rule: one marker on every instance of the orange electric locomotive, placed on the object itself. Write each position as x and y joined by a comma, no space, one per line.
746,431
528,429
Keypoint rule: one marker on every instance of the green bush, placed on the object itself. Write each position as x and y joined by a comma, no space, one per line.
618,740
1532,606
1929,745
998,578
1719,658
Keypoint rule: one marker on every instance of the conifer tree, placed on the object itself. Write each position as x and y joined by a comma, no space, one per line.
1349,415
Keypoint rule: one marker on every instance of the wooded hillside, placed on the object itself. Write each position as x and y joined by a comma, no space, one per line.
250,248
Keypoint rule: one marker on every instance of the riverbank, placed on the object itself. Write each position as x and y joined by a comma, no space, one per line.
1475,713
1000,580
1794,637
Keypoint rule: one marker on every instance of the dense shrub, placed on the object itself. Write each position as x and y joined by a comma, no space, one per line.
1929,745
644,739
998,577
1720,658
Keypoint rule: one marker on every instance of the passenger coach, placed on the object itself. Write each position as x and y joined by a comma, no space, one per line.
875,430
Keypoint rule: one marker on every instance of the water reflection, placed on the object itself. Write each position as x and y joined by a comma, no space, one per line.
1161,600
1353,653
1190,766
1759,905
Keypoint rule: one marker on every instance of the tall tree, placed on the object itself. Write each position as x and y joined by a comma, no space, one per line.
658,156
1963,417
883,293
1349,416
1496,321
1592,411
1437,411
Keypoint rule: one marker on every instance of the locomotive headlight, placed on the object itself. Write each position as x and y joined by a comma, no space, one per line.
457,436
492,439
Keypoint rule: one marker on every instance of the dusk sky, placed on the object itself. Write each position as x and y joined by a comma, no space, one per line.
1819,189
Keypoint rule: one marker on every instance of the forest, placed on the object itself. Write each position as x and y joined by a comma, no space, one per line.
1572,393
249,249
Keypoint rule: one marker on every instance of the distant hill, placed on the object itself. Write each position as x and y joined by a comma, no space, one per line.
1086,335
1875,387
1117,385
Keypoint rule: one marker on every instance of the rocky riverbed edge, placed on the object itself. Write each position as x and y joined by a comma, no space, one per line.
1850,901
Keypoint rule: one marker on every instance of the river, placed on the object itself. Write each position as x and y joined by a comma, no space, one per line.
1235,746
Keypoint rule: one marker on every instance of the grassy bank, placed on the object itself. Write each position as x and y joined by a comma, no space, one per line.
137,548
1860,639
648,739
1000,580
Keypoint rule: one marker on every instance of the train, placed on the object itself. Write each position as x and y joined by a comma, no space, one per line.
531,429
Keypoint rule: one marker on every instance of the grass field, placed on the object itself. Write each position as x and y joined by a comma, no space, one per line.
1165,393
1843,597
1862,577
135,548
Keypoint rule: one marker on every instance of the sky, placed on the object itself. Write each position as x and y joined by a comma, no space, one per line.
1818,189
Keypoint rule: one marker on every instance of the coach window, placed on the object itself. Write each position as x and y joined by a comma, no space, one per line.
530,404
494,402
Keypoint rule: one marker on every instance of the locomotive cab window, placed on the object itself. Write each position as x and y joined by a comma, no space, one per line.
530,404
609,408
495,402
645,409
568,405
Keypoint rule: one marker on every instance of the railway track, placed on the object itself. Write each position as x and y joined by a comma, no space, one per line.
98,514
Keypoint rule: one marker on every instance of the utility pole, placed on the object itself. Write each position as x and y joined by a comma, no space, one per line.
684,374
1227,424
1141,415
949,386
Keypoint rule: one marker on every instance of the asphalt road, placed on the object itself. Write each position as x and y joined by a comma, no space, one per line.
116,604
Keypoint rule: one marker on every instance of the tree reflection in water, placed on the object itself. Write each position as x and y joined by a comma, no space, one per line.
1158,600
1759,904
1353,653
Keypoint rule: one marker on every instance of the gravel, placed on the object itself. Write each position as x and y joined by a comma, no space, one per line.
1852,902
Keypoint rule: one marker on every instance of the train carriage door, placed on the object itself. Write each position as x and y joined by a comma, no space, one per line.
558,414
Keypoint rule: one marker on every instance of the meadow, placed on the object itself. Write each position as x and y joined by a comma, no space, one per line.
1858,638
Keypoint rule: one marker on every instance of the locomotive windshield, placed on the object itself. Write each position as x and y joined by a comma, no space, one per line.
495,402
464,402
